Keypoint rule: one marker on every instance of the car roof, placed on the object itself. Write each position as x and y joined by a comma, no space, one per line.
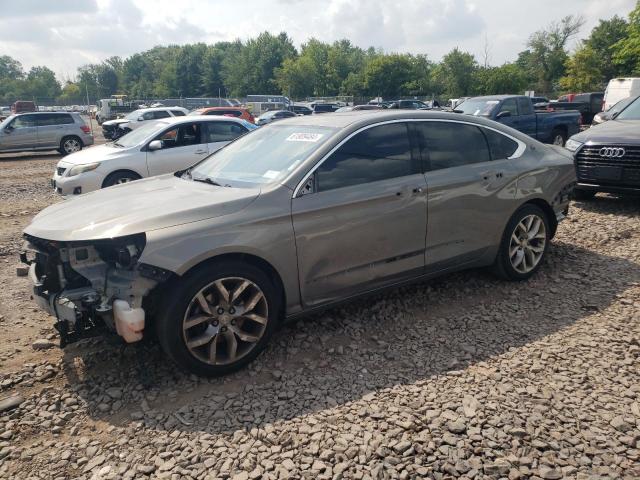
198,118
494,97
156,109
39,112
208,109
361,118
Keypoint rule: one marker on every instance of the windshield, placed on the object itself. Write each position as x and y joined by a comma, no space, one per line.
631,112
6,121
137,136
477,106
267,155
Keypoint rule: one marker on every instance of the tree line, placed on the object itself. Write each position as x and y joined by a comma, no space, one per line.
271,64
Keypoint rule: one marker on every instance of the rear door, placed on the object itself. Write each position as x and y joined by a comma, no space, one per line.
218,134
21,133
471,190
362,222
183,145
51,128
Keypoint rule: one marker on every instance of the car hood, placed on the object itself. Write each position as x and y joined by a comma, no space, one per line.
98,153
613,131
141,206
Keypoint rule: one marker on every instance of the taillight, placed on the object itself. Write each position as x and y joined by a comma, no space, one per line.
85,129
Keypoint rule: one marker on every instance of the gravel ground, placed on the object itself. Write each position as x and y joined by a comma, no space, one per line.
462,377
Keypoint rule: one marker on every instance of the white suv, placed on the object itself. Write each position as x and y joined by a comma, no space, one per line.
163,146
114,129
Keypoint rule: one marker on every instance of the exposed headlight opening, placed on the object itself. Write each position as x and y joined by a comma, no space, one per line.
78,169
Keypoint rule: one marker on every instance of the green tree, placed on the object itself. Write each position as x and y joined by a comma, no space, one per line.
41,82
583,72
454,75
507,78
626,54
71,92
547,56
388,75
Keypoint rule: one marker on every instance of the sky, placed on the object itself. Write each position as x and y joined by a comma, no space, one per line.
65,34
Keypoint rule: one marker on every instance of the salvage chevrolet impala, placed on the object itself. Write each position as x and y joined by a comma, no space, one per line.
297,216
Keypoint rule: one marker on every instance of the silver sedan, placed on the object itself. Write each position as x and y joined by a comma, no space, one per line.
291,218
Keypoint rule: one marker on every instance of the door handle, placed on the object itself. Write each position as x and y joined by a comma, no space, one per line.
417,190
198,152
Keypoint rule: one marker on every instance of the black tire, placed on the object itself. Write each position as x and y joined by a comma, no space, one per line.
579,194
70,144
503,266
558,137
169,323
122,176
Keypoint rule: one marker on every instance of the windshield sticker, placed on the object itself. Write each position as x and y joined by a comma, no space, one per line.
271,174
304,137
493,102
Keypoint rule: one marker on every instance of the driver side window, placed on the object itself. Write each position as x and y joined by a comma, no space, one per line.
24,121
510,106
182,136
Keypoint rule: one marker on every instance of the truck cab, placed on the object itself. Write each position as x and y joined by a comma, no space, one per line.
516,111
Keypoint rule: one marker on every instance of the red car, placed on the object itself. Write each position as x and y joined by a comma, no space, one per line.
23,106
236,112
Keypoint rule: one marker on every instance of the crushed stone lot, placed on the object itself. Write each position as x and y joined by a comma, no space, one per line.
462,377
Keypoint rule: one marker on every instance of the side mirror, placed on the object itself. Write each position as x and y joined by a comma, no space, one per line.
8,129
503,114
155,145
140,119
613,115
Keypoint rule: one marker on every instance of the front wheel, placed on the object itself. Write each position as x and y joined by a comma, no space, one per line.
558,137
524,244
117,178
219,318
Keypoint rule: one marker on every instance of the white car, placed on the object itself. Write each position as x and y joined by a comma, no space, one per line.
164,146
113,129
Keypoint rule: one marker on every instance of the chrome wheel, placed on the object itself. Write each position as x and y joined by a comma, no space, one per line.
123,180
71,145
225,320
558,140
528,242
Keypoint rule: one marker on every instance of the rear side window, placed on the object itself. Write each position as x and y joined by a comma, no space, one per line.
524,106
223,131
378,153
178,113
161,114
501,146
449,144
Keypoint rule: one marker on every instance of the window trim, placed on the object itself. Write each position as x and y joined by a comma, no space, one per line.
517,154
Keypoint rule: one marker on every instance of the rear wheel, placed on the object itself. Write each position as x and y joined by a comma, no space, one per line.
117,178
69,145
219,318
524,244
558,137
580,194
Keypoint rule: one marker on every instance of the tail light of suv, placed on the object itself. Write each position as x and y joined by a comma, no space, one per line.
85,129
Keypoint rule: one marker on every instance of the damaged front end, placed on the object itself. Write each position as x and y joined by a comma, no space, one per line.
92,287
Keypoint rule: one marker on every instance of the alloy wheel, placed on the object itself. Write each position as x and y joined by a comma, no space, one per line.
123,180
527,244
72,145
225,320
558,140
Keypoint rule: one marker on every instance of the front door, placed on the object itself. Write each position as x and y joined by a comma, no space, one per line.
21,133
472,186
182,146
362,222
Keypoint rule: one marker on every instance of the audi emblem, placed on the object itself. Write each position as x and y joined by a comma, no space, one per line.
612,152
